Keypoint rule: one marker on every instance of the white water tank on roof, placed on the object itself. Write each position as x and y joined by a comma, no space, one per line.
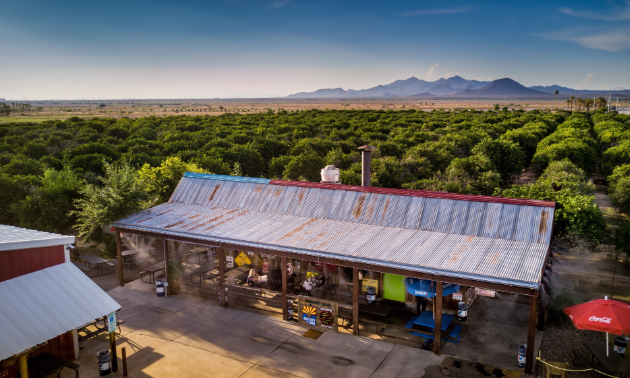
330,175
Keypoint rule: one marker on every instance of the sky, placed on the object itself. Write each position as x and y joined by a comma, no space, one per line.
270,48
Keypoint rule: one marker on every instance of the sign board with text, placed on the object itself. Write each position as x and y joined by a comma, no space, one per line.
242,259
317,313
367,282
111,322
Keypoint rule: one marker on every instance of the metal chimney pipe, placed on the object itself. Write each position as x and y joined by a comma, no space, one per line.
366,165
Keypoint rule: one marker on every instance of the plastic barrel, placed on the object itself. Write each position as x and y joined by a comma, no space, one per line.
522,350
371,294
462,311
104,366
621,343
159,287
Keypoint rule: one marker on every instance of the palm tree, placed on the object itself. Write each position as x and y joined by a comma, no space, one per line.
572,101
600,102
579,102
555,104
588,102
568,102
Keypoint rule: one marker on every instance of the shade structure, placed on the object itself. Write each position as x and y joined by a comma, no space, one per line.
426,288
601,315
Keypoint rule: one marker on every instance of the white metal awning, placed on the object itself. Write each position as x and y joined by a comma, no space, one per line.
12,237
42,305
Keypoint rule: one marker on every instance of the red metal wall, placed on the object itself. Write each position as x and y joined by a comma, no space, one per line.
19,262
61,346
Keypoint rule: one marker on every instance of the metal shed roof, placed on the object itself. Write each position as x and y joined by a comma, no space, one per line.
490,239
21,238
42,305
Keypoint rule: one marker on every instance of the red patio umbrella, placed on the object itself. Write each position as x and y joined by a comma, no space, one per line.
601,315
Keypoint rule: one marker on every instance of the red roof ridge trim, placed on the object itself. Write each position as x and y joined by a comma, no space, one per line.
417,193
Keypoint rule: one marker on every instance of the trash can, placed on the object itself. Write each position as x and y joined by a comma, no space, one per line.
159,287
621,343
371,294
522,350
290,309
462,311
104,366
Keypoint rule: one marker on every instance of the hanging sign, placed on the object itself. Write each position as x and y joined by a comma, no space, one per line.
317,313
367,282
457,296
485,292
312,275
242,259
229,261
111,322
289,269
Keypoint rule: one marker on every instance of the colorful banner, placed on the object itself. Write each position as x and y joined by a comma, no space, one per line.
317,313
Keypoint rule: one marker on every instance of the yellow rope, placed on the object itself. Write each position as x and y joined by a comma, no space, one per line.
559,368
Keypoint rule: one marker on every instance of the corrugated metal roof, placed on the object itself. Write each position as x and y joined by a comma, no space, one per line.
21,238
39,306
503,242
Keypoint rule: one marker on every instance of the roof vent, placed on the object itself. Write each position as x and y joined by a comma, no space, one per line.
330,175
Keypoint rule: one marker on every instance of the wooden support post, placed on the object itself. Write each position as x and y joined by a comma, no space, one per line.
531,336
24,365
285,313
124,360
166,261
121,275
221,257
541,310
355,300
437,331
112,347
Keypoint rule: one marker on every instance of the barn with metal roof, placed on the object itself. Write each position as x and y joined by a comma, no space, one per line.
487,242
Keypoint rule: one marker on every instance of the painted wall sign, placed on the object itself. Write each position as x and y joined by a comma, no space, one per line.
485,292
229,261
367,282
111,322
242,259
317,313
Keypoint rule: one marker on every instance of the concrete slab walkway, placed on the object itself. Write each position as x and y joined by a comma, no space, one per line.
186,336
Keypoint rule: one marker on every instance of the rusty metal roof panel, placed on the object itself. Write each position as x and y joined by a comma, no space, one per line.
508,221
443,250
393,212
335,201
502,241
491,220
344,209
424,251
443,221
459,217
476,212
186,190
207,192
414,213
429,214
380,245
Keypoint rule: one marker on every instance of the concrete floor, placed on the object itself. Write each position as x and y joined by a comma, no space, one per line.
186,336
492,332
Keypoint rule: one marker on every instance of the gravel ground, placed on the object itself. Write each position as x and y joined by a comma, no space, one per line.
110,281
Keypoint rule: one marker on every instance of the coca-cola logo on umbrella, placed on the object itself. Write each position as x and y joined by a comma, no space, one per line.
601,320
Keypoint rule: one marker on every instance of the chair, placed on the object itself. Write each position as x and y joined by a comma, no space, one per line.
555,369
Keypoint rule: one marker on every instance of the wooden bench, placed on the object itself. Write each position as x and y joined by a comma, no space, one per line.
582,358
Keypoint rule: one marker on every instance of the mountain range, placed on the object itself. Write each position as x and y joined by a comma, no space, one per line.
454,87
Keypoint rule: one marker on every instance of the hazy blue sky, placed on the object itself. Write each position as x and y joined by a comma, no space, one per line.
240,48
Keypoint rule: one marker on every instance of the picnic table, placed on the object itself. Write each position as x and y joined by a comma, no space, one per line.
197,251
99,262
425,319
201,271
49,364
150,271
614,362
129,255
